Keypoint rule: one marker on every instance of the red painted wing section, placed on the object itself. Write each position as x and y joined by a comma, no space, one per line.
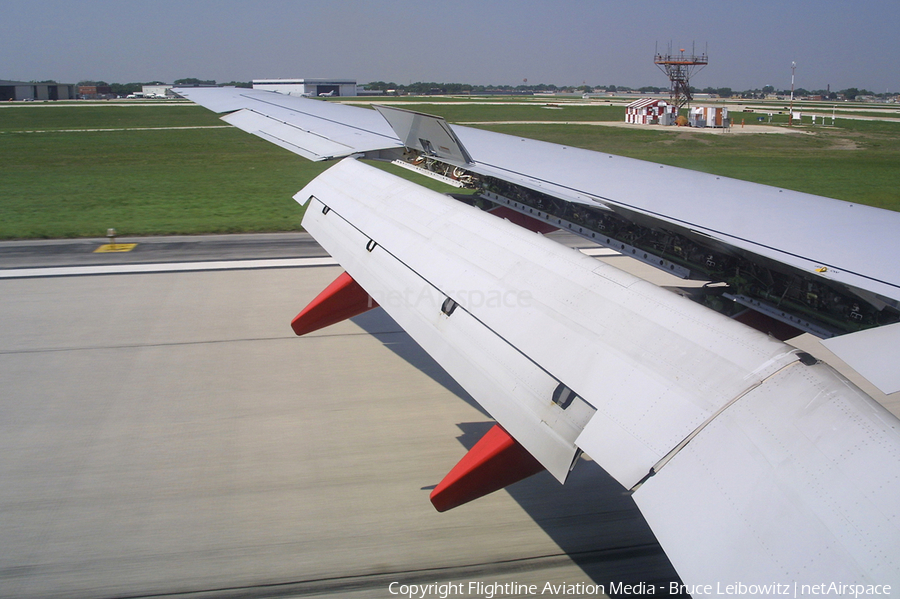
496,461
341,300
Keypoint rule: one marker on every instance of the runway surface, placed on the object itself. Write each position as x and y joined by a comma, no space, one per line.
166,434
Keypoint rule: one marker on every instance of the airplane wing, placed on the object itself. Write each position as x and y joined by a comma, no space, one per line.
751,461
313,129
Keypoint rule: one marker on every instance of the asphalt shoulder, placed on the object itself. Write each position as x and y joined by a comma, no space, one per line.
156,250
174,249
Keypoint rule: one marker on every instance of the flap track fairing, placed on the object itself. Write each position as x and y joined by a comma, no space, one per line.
495,462
342,299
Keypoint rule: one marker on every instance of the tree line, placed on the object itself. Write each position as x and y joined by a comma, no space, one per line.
422,88
431,87
123,89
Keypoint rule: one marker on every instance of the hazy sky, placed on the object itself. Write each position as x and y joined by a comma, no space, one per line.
750,43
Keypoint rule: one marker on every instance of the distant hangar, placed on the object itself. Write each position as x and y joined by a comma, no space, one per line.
23,90
308,87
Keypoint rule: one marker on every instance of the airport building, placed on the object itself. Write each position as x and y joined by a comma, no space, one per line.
648,111
157,90
21,90
95,92
308,87
709,116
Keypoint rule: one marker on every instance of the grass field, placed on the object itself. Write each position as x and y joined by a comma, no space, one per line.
57,179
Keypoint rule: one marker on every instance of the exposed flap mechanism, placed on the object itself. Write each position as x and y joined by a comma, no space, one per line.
427,133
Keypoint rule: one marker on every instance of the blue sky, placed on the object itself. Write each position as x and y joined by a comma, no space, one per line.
569,42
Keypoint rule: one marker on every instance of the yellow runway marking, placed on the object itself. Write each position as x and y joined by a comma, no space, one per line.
115,247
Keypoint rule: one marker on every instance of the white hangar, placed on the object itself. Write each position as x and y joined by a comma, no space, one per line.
308,87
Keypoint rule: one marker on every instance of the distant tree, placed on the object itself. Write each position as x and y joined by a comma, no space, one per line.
381,85
123,89
194,82
850,93
239,84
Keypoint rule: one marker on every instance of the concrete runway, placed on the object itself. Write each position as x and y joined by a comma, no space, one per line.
167,434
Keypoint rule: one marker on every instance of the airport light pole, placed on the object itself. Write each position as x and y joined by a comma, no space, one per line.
791,111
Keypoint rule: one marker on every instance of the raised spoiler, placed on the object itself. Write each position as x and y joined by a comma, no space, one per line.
724,435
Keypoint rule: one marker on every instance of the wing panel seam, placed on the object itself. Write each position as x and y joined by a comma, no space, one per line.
674,451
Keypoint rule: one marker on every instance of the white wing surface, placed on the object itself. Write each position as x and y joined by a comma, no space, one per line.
315,129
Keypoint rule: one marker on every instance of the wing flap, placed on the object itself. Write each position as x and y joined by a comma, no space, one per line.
500,378
427,133
535,315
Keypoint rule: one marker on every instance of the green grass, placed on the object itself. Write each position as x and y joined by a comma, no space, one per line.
461,113
147,183
74,184
45,117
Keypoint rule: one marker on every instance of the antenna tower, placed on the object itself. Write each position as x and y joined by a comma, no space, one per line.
679,68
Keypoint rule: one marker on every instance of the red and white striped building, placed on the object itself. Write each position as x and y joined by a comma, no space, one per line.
650,110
